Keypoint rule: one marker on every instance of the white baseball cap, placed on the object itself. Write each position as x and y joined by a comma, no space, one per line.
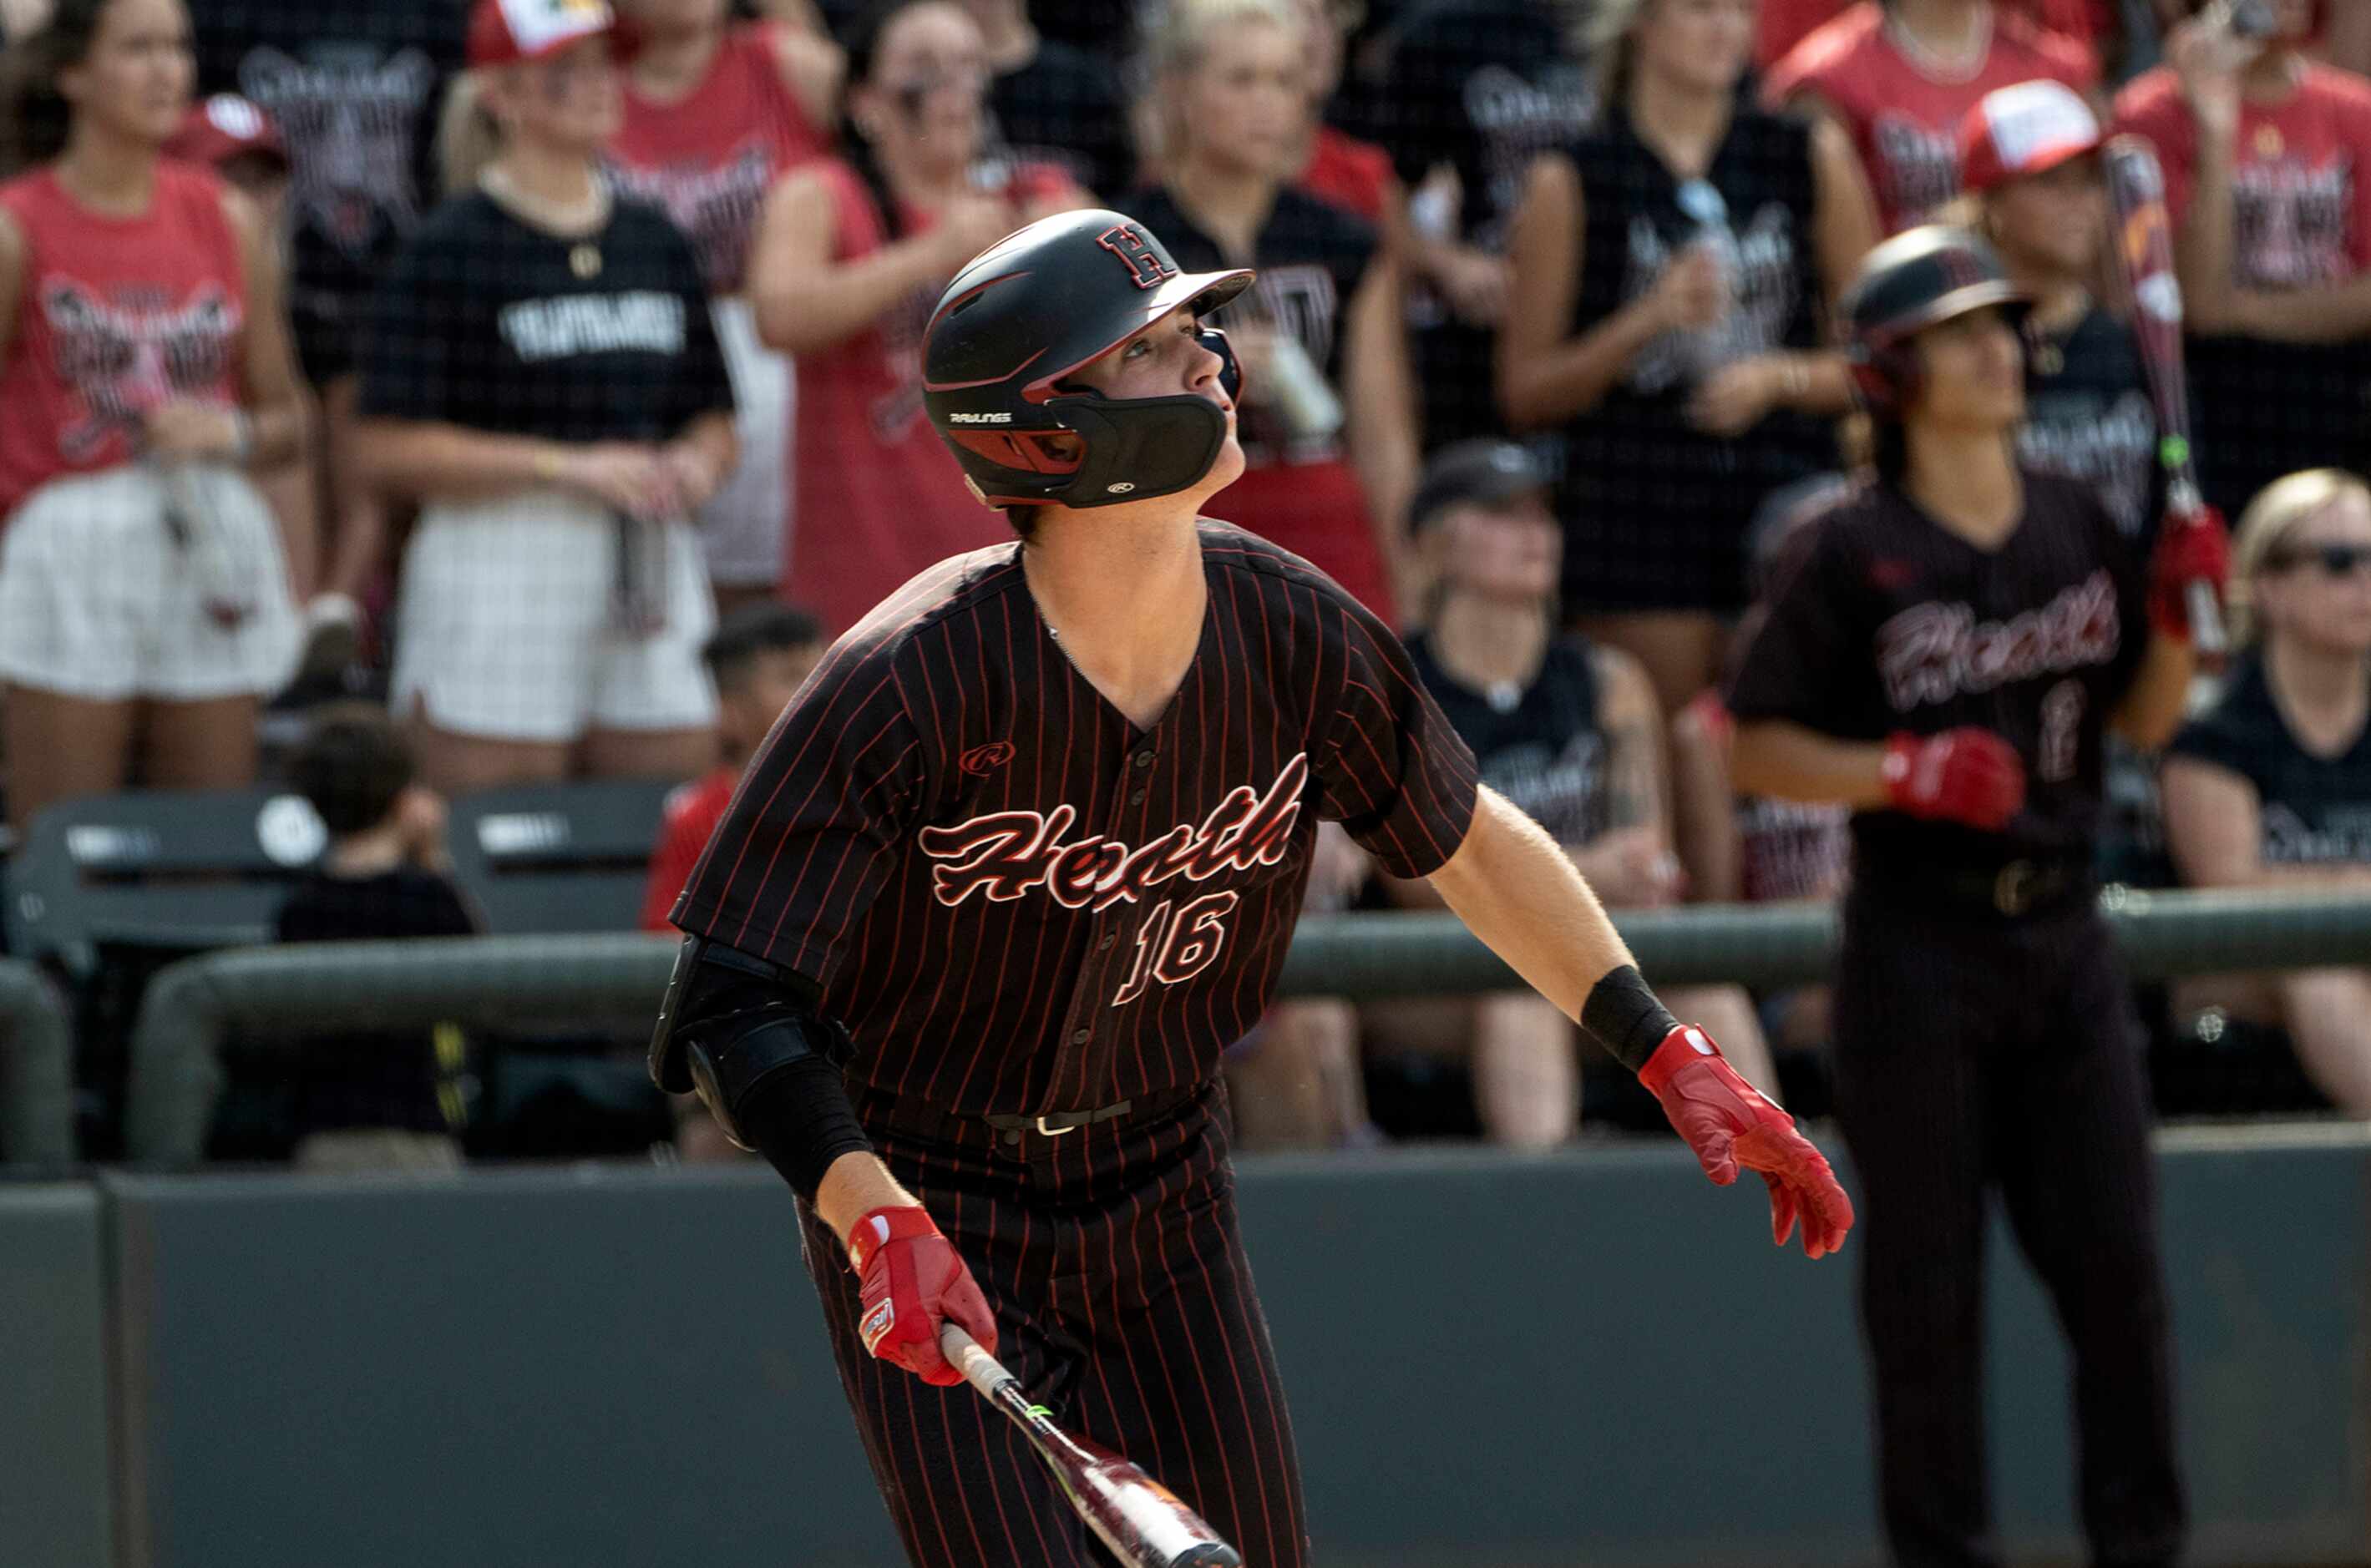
2026,129
504,32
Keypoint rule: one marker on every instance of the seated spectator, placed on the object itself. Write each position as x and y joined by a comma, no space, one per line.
851,256
1571,732
1464,95
1670,275
542,375
2270,787
1326,414
717,111
1052,105
2265,153
396,1098
758,658
1898,75
146,369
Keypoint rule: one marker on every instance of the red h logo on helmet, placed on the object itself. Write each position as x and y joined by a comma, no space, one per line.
1128,242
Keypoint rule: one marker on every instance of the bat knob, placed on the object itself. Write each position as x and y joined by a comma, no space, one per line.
1214,1554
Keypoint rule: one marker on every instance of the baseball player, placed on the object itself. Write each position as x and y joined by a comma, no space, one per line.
1944,656
1023,856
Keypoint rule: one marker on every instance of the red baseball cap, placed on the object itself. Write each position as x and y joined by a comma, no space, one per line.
2026,129
505,32
224,127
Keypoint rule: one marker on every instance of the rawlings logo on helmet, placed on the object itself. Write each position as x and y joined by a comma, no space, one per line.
1128,242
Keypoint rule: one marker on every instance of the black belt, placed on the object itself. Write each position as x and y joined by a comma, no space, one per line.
2012,889
1054,1123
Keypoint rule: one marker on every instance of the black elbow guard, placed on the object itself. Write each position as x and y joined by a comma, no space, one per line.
732,1022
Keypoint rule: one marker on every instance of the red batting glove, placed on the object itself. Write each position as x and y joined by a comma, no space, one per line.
1965,775
914,1281
2190,547
1728,1123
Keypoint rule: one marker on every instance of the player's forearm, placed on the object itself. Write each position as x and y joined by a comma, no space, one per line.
2152,708
1792,762
1516,888
855,1185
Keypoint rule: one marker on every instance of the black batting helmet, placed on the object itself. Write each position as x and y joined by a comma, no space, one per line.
1918,278
1031,309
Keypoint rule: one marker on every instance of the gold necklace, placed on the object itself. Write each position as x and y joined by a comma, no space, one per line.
561,222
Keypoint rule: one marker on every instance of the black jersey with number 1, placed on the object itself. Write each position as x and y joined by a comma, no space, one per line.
1888,621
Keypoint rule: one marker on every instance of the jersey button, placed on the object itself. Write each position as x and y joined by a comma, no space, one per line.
1109,939
1081,1036
1144,759
1136,797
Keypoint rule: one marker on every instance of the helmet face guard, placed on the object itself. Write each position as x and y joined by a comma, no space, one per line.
1031,312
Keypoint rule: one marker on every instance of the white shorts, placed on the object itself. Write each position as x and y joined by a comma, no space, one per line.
745,529
507,624
138,581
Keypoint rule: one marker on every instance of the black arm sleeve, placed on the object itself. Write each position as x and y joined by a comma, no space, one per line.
744,1034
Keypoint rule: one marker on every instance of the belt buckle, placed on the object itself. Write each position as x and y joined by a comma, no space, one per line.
1053,1131
2013,889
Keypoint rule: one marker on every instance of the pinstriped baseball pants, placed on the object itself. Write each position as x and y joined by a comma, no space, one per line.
1122,1302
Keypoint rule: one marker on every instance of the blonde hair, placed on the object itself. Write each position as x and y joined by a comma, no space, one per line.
1178,37
2269,519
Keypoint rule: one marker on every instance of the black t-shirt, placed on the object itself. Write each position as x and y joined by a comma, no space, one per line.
1891,622
2088,416
1545,749
373,1079
1311,255
1063,109
486,323
1483,86
2315,811
354,86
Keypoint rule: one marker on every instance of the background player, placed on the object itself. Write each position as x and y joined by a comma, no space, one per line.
1945,656
1025,855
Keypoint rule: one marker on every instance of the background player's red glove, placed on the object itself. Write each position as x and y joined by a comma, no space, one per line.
2192,547
912,1282
1966,775
1729,1123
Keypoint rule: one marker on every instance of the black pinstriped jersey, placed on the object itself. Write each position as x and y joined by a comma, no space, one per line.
1017,900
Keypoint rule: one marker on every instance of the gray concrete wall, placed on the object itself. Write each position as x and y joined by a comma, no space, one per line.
56,1498
1500,1363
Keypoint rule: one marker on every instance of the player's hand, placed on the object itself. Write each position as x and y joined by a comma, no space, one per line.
1734,398
2194,547
1966,775
969,224
1692,292
1731,1126
623,476
913,1282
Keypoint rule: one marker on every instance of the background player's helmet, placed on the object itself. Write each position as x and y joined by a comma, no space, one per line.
1918,278
1031,309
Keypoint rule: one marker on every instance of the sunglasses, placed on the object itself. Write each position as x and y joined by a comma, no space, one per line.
2337,560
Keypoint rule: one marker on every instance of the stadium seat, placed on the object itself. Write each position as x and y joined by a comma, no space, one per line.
169,869
557,858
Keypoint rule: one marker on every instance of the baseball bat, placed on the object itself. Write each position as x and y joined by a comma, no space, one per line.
2143,251
1144,1523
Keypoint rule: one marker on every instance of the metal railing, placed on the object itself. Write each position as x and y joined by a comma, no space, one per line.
488,981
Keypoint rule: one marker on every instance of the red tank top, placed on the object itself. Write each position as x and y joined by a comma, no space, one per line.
1904,123
710,157
879,495
117,316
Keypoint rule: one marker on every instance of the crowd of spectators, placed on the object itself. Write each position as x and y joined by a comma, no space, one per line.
464,358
